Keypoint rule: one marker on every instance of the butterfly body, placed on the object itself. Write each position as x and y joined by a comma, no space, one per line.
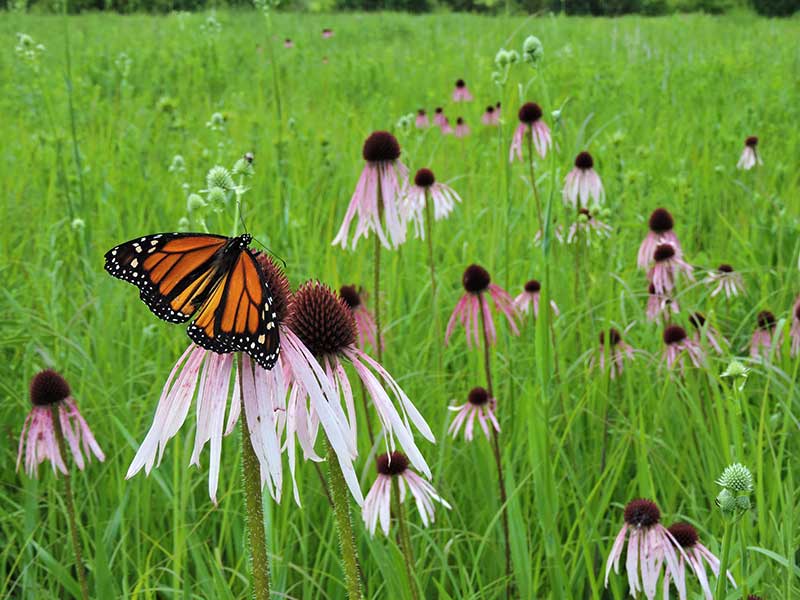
213,278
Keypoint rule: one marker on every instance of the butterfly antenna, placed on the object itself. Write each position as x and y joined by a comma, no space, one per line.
268,249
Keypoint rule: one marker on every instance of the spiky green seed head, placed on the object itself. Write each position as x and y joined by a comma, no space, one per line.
219,177
736,478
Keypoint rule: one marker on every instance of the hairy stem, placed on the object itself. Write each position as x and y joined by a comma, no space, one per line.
256,535
434,304
496,447
405,540
533,181
344,525
73,523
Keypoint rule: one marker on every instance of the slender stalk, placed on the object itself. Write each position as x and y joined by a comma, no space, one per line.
377,272
434,304
719,591
496,448
405,540
251,479
377,286
73,523
344,526
743,554
533,181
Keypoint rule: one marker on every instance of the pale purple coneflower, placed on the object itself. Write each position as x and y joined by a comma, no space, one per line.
530,127
529,298
461,92
365,321
667,263
438,117
650,545
288,43
677,343
445,127
761,343
473,307
462,129
326,326
377,504
583,183
50,393
327,33
726,280
491,116
377,195
498,109
794,332
703,329
443,197
695,555
422,121
660,225
480,406
618,351
660,303
750,156
585,225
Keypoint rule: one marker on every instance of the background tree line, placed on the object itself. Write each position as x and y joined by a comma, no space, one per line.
778,8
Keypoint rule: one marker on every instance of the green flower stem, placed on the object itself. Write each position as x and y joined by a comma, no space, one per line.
498,458
344,525
434,304
533,181
73,523
405,540
719,592
254,507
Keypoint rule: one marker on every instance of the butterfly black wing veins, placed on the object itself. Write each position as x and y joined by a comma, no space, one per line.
204,289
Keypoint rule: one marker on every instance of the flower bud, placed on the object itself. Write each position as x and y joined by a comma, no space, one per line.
532,51
195,202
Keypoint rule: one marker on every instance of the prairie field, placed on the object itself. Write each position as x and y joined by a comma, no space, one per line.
91,125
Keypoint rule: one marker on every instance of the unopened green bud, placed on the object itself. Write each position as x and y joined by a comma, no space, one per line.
532,50
195,202
217,197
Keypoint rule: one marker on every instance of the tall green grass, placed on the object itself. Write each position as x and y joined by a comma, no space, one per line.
664,106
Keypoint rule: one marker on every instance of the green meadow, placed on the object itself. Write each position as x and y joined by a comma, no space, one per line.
90,128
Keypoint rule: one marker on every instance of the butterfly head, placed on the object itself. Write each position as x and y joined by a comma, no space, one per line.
244,240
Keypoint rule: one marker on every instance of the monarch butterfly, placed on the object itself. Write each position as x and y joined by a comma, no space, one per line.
214,277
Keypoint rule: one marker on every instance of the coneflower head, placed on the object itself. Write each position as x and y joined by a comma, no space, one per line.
660,221
48,387
350,295
664,252
751,141
532,286
478,396
476,279
614,337
424,178
642,513
584,161
381,146
529,113
391,464
684,534
765,320
323,322
674,334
